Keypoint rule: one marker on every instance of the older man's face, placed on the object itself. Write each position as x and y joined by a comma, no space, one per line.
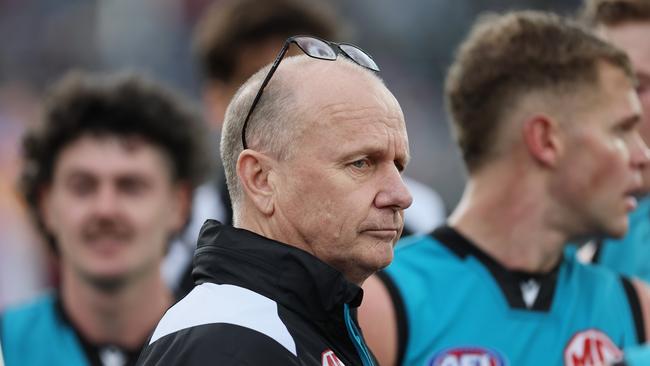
342,196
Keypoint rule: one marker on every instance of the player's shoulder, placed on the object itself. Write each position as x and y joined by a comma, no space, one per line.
30,313
594,279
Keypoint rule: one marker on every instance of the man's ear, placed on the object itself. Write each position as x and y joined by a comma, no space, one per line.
542,140
253,170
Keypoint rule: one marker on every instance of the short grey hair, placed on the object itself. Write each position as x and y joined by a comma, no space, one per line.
271,127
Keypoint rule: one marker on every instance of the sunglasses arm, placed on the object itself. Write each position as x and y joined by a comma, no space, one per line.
274,67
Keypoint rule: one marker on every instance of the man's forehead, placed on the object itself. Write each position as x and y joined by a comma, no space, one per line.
115,152
341,95
360,130
320,83
631,37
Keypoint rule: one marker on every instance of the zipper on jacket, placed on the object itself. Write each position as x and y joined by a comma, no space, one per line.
355,337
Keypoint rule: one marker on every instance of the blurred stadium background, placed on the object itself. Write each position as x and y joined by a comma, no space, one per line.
412,41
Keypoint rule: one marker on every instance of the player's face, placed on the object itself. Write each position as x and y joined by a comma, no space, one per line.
112,207
633,38
603,157
343,196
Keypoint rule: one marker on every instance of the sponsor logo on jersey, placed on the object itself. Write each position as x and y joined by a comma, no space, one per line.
591,348
328,358
468,356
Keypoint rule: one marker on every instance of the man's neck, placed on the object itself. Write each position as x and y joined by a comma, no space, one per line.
511,223
124,316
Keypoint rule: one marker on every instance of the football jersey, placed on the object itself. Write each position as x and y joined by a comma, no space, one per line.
457,306
40,333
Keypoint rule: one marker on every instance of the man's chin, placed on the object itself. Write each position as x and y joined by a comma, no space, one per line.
618,231
107,282
383,261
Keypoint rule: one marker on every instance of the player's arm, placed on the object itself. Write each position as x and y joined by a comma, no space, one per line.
378,321
638,294
643,292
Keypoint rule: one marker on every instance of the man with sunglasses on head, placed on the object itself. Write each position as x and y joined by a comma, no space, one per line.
233,40
313,149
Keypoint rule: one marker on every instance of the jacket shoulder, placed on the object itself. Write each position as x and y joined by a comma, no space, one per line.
220,322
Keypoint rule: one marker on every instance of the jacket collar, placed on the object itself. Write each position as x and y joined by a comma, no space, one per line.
288,275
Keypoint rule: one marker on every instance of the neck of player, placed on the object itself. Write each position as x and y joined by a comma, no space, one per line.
123,315
506,217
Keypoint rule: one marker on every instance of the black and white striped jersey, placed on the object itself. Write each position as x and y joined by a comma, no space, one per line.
259,302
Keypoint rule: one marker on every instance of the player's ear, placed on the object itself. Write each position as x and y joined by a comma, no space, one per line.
542,140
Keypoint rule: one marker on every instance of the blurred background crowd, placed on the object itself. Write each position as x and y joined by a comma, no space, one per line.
411,40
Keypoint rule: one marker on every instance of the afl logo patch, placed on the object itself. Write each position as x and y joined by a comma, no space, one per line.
591,348
468,356
328,358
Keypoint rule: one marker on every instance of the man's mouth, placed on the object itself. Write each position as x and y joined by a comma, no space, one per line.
383,233
630,202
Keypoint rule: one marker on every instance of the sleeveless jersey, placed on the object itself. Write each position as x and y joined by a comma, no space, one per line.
40,333
457,306
36,335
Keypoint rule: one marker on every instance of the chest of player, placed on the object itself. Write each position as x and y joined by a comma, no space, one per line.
474,319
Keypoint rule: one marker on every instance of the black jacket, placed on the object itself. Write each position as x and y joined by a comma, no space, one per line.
259,302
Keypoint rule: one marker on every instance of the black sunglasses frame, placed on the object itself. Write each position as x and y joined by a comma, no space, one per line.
336,47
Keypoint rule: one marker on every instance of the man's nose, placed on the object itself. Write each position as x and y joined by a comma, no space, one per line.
393,191
106,201
640,156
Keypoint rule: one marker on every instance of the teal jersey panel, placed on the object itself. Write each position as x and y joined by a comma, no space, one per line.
35,335
457,312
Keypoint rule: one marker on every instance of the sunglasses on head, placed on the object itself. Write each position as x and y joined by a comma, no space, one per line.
316,48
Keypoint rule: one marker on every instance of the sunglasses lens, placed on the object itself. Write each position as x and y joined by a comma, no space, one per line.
359,56
316,48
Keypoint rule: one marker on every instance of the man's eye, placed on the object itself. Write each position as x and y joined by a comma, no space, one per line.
360,164
132,186
81,186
